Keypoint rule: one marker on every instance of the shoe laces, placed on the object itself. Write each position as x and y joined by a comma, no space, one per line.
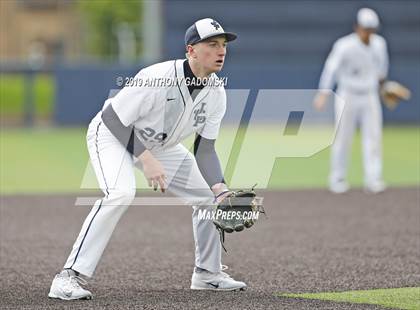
74,282
224,274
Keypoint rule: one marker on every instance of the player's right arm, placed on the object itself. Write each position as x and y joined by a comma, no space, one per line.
128,106
328,76
152,168
153,171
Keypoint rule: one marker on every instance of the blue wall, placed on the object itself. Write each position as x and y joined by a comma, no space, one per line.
293,31
82,90
281,44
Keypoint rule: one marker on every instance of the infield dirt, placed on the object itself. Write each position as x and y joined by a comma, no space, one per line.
312,241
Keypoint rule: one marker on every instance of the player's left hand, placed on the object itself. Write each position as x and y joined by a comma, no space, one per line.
236,211
220,191
392,93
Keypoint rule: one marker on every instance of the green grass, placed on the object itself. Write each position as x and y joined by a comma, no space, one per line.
55,160
42,160
398,298
401,159
12,95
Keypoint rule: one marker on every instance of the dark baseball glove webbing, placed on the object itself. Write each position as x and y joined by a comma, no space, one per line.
237,211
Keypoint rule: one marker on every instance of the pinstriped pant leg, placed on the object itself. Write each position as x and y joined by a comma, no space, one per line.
113,167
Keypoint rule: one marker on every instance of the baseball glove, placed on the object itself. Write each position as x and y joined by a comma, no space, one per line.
237,211
392,93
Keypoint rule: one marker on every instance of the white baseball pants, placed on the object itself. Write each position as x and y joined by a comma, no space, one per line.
114,168
364,109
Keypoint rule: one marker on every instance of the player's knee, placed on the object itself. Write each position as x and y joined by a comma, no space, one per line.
123,197
202,203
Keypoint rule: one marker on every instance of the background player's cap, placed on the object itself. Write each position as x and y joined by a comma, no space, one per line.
367,18
204,29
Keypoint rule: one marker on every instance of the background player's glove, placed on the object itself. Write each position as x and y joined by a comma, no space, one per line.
392,93
236,212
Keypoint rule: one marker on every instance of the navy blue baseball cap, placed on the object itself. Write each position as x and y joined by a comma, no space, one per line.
204,29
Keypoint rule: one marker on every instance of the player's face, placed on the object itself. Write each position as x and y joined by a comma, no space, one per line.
210,54
365,33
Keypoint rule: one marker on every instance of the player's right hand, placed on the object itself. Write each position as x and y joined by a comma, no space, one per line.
153,171
320,101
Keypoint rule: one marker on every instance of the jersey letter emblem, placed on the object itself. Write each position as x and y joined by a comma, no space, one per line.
199,115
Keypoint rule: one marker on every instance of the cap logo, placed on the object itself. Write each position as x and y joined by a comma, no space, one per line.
215,25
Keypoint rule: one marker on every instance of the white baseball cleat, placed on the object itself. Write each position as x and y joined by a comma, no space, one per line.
220,281
340,187
66,286
375,187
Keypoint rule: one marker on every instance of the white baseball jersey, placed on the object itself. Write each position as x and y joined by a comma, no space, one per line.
158,105
355,66
164,115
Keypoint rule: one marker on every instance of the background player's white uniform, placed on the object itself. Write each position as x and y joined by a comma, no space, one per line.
357,69
162,117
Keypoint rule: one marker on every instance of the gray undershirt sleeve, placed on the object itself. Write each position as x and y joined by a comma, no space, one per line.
124,134
208,161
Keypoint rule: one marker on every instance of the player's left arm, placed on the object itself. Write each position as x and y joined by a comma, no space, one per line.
384,60
209,164
391,92
204,148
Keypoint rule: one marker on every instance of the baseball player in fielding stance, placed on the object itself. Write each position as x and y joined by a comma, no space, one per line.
143,126
358,64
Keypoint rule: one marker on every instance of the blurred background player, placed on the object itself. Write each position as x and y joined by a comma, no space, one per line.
358,64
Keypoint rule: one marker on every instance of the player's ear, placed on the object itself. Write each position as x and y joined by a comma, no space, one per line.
191,51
